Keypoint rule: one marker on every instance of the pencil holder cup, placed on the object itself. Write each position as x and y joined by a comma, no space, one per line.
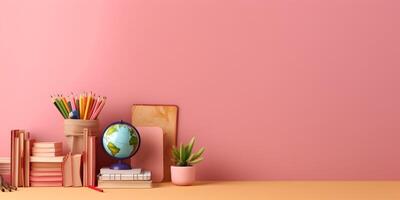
73,130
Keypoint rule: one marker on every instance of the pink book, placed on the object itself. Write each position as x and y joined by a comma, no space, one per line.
46,150
76,170
51,154
92,161
67,171
47,145
46,184
46,173
47,169
150,155
46,178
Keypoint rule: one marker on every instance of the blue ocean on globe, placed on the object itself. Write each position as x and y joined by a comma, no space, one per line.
120,140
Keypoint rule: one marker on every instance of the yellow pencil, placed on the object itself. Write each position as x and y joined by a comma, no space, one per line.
80,106
87,107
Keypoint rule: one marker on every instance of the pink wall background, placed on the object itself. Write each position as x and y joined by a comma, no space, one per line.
279,89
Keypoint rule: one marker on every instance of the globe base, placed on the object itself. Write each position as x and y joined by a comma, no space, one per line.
120,166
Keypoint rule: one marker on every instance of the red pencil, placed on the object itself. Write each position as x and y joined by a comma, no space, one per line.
95,188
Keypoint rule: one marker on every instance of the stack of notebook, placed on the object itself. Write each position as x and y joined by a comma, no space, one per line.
46,164
132,178
19,154
5,168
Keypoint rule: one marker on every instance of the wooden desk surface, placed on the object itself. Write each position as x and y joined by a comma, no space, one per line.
266,190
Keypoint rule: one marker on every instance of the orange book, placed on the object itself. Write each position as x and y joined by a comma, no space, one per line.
45,178
51,154
46,169
45,165
27,161
46,150
46,173
46,184
47,145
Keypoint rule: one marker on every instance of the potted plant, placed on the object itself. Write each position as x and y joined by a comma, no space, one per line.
183,172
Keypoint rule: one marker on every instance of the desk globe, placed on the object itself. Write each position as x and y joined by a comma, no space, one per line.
121,141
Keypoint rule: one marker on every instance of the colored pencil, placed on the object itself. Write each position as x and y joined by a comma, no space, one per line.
65,104
77,107
85,106
56,105
61,105
72,99
95,104
96,114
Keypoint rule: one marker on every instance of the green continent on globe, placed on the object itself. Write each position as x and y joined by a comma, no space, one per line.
114,149
111,130
133,141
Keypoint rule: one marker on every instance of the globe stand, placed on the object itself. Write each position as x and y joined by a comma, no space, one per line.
120,165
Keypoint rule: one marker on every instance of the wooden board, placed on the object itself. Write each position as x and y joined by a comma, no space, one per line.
150,155
165,117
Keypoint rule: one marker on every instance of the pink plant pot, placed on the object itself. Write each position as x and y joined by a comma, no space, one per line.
183,175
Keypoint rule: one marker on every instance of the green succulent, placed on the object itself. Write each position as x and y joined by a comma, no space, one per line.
183,156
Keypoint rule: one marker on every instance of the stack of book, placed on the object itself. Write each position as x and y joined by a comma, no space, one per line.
5,168
46,164
132,178
20,152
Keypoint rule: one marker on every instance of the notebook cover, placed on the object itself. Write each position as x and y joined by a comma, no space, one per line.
165,117
150,155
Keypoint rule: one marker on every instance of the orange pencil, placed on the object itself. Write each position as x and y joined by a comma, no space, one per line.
80,107
84,99
87,107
